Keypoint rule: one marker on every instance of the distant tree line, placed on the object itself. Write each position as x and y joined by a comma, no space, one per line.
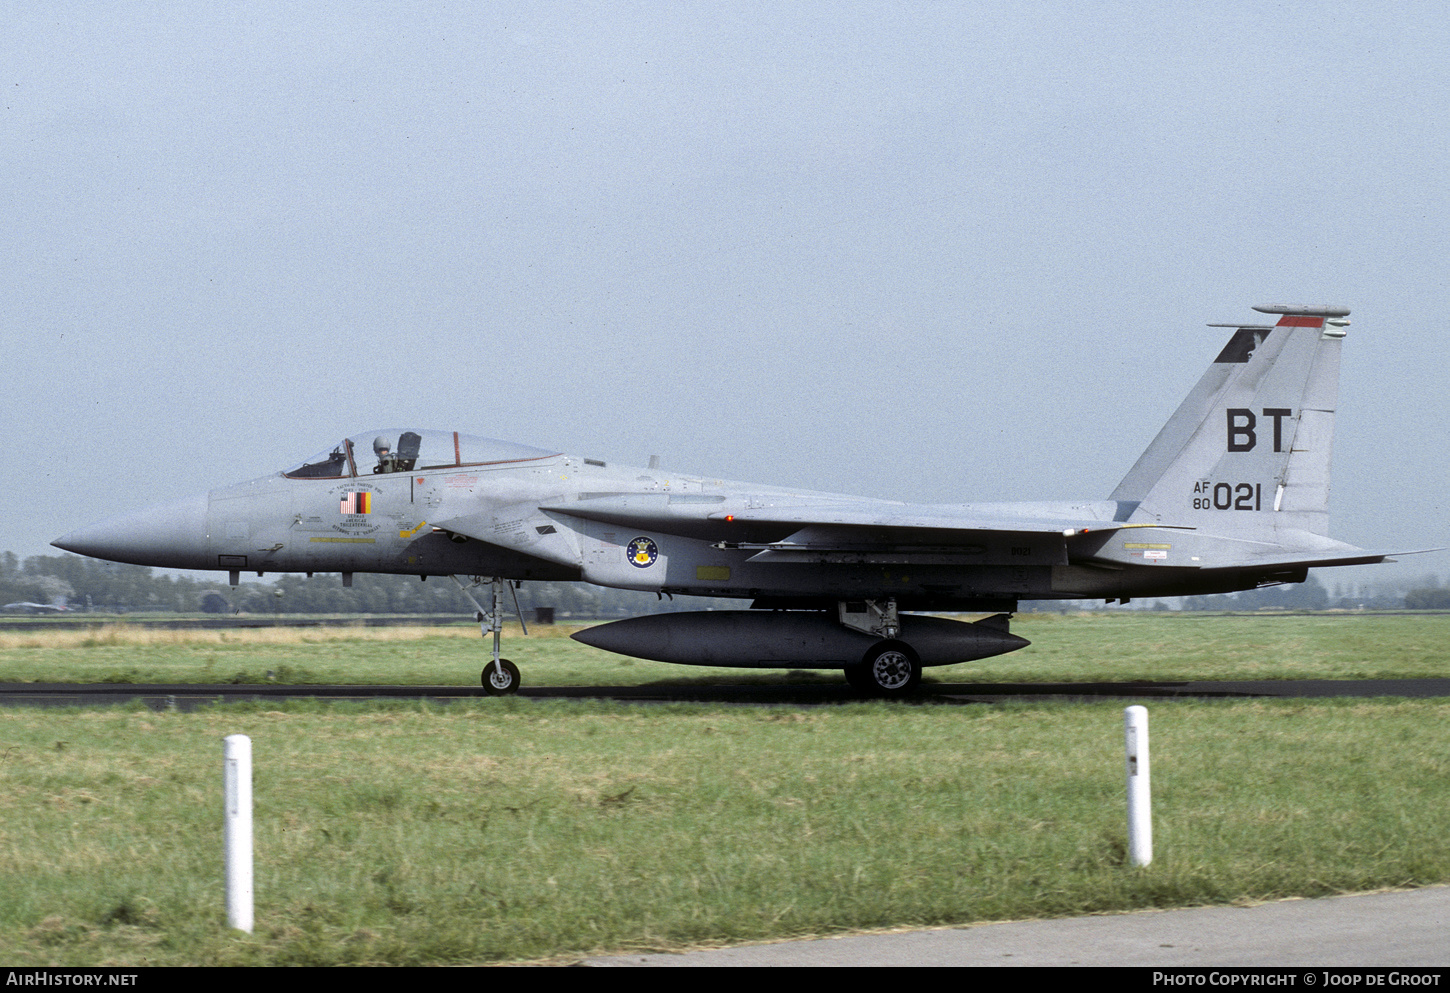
1428,599
1424,593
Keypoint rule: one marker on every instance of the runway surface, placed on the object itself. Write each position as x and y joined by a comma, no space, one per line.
1386,930
188,696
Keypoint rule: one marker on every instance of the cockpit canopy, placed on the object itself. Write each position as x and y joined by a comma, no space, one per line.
408,450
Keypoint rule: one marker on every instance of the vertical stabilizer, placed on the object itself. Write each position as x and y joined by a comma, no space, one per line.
1248,451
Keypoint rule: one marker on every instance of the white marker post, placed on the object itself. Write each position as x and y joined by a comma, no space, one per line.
1140,793
237,787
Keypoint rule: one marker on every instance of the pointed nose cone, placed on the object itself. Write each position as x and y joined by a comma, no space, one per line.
171,535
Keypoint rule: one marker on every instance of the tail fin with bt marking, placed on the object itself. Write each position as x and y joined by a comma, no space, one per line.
1247,453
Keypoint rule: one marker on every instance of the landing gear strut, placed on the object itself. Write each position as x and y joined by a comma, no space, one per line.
501,677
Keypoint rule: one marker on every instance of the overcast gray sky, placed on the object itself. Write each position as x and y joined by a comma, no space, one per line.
935,252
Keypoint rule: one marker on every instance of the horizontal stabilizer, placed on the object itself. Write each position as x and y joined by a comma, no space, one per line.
1288,559
1349,555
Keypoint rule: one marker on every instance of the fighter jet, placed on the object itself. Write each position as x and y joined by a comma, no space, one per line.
1232,494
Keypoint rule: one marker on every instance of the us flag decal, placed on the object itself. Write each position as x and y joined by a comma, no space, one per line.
357,503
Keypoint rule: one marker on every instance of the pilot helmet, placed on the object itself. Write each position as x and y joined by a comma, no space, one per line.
381,445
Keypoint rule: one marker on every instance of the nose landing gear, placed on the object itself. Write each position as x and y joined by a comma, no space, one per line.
500,677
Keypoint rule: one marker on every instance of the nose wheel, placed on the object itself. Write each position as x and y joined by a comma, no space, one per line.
501,678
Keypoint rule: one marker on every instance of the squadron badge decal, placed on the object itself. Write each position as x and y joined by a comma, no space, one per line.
642,552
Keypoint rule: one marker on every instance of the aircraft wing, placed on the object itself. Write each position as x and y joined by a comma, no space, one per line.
722,518
904,520
883,533
859,531
915,536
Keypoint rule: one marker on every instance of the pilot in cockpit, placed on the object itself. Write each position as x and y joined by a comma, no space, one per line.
387,460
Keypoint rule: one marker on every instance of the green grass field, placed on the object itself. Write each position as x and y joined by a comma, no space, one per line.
517,830
1075,647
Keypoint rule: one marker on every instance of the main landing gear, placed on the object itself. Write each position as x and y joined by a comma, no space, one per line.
500,677
890,667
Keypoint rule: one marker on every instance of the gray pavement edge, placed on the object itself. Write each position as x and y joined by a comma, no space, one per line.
1388,929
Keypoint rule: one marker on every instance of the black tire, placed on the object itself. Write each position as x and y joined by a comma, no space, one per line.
891,668
501,685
